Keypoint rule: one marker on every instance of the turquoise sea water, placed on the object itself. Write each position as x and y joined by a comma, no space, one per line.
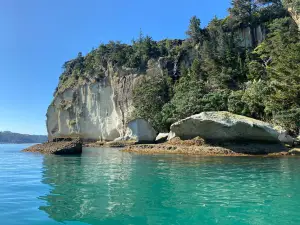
106,186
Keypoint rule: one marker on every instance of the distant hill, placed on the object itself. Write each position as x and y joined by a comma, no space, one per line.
15,138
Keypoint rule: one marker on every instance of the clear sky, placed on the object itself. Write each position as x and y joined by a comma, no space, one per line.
38,36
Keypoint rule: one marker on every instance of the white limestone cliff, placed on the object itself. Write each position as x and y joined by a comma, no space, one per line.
95,110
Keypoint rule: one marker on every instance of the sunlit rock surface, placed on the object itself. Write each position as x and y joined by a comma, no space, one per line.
141,131
223,126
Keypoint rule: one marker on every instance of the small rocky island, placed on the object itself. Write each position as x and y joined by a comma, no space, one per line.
218,85
216,133
58,146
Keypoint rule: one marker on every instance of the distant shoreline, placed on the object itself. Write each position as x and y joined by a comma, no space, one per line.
19,143
7,137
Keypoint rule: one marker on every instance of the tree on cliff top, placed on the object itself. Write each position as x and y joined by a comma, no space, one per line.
194,30
217,71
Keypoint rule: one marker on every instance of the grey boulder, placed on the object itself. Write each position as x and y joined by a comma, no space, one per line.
223,126
285,138
141,131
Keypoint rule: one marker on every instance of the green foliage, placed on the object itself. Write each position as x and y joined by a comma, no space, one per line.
210,71
149,97
194,32
196,71
216,101
75,66
280,53
256,70
242,12
186,101
289,119
235,103
143,50
254,98
250,13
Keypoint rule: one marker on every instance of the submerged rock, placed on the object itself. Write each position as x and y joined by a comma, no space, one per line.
141,131
58,147
223,126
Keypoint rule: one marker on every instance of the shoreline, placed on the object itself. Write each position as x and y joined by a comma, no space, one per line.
154,149
199,147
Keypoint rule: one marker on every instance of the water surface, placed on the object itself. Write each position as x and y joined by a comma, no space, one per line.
106,186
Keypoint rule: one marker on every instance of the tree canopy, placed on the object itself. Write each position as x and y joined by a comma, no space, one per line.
213,69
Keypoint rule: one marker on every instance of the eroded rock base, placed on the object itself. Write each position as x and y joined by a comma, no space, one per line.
58,147
198,146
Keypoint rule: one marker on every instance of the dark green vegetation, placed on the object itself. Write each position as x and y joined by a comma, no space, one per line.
15,138
247,63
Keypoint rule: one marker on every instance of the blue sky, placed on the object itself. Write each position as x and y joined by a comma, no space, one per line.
38,36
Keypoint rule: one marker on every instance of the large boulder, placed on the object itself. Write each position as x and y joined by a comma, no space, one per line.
58,146
141,131
223,126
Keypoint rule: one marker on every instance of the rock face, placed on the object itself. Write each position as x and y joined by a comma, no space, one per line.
95,110
284,137
162,137
61,147
141,131
91,111
223,126
250,37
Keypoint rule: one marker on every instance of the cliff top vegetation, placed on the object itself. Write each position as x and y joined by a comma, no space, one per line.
247,63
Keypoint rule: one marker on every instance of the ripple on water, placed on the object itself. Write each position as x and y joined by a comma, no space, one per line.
105,186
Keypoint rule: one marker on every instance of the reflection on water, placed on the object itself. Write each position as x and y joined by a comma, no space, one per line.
105,186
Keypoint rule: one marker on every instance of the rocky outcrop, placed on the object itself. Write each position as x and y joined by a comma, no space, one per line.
223,126
161,137
58,147
251,37
198,146
96,109
295,151
141,131
98,105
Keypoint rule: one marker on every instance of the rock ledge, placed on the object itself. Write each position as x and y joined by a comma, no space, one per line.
58,147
